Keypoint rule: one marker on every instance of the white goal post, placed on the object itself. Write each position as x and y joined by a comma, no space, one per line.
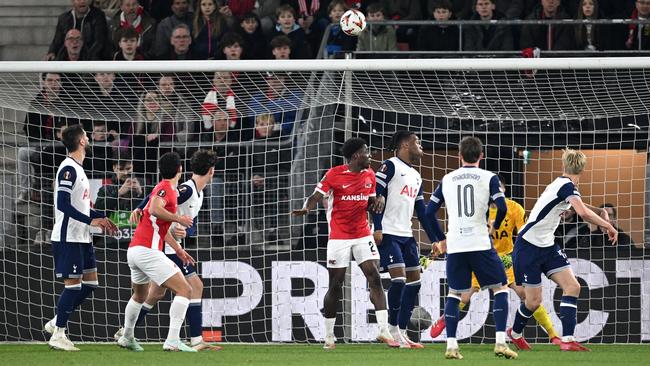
277,126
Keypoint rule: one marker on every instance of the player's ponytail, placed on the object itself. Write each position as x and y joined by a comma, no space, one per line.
573,161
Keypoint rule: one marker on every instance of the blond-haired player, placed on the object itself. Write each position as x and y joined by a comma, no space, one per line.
502,239
535,251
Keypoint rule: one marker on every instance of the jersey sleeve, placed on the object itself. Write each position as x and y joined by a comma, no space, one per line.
185,192
420,196
495,189
325,184
166,193
384,174
66,179
568,191
373,189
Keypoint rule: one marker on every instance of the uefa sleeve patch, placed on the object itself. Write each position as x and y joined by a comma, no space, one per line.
383,168
161,193
182,189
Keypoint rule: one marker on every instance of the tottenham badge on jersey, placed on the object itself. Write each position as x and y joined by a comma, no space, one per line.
161,193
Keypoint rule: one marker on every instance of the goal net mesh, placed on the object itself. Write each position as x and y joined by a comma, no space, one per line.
275,134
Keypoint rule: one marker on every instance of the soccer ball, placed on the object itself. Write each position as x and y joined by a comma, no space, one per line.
353,22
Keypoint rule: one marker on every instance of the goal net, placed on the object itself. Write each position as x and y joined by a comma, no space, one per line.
276,128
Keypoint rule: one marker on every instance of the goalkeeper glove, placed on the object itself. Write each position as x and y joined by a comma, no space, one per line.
507,260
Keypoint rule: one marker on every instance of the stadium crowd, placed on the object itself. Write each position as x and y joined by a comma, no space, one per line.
155,111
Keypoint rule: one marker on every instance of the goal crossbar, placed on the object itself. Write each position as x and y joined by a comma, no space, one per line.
485,64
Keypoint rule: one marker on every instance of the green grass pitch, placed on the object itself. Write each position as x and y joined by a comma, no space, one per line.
302,355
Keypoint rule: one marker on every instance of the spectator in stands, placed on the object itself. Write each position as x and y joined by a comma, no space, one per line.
219,132
121,192
239,8
177,112
253,38
571,230
181,15
268,160
404,10
598,238
281,47
277,97
73,49
90,21
232,46
181,41
266,13
132,15
487,37
512,9
39,128
588,35
96,162
311,16
208,27
128,45
146,134
377,37
220,99
287,26
225,170
464,9
158,9
439,37
639,34
548,37
337,41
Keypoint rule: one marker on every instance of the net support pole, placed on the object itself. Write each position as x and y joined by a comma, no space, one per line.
347,287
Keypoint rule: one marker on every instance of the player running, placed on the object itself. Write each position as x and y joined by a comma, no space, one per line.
72,248
401,185
502,241
148,262
468,192
190,200
350,189
536,252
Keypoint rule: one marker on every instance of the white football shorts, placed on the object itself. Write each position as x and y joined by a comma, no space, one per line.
150,265
339,251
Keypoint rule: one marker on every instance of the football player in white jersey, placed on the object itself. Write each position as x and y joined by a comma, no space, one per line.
536,252
401,184
72,248
468,192
190,199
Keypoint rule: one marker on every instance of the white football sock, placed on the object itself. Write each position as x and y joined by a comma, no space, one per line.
329,326
196,340
382,318
452,343
501,338
177,316
130,317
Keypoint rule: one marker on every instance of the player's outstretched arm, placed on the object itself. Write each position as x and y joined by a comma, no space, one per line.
180,252
591,217
437,199
157,209
309,205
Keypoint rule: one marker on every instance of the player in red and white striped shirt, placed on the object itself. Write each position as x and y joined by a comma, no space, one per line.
350,190
148,262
